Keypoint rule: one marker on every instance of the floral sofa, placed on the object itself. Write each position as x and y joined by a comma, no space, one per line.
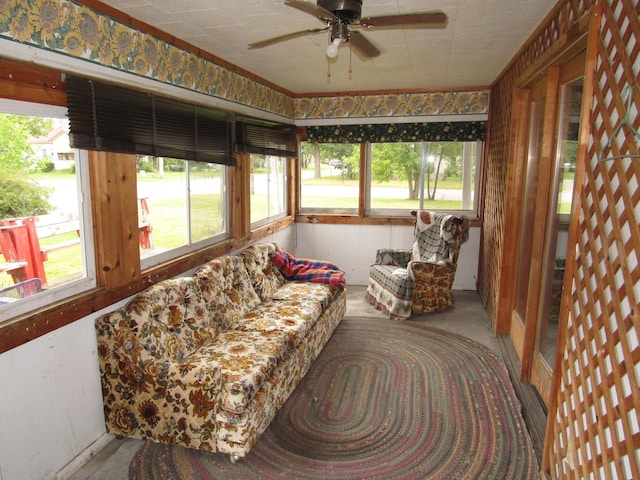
206,361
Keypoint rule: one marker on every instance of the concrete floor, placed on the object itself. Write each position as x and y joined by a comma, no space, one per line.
468,318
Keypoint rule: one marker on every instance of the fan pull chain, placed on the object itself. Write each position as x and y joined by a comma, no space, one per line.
350,69
328,69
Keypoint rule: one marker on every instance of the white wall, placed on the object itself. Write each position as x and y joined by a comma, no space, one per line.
353,248
50,402
284,238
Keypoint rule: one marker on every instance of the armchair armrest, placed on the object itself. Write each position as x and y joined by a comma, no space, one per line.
428,271
431,267
390,256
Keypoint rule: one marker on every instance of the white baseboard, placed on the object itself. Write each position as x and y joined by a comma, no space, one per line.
74,465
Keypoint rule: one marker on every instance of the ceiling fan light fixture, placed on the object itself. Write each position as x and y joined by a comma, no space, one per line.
332,49
342,19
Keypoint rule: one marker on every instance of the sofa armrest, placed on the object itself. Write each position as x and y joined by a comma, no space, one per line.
395,257
147,398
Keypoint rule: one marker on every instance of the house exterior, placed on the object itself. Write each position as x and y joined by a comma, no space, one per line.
54,147
50,405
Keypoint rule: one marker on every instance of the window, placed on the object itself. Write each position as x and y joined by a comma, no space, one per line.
44,210
181,204
425,175
329,176
399,176
268,187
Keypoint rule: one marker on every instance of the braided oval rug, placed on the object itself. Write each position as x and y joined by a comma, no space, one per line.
384,400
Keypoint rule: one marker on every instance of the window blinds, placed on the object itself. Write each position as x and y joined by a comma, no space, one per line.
266,138
116,119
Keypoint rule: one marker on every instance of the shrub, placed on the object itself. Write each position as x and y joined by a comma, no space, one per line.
21,197
46,166
145,166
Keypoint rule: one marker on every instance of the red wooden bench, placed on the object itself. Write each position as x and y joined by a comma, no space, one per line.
25,257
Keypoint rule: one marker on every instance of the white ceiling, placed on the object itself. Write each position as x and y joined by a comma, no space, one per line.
480,39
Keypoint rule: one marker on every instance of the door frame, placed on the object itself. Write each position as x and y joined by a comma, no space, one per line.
524,337
545,165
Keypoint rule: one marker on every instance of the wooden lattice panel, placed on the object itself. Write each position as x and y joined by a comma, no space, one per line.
498,155
495,190
595,430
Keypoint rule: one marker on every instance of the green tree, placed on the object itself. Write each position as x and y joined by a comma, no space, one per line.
352,168
19,196
448,152
306,154
333,151
400,160
404,161
341,156
16,154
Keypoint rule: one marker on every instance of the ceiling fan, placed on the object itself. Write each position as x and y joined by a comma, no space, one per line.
342,18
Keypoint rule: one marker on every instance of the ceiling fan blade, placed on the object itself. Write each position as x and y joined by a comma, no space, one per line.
288,36
363,47
435,19
312,9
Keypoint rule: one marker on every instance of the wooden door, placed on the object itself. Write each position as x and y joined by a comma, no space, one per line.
553,112
537,103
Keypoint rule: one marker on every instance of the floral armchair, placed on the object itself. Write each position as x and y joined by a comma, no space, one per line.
402,282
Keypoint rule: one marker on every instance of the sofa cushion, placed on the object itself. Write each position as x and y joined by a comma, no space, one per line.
265,277
304,291
292,318
226,289
171,319
246,360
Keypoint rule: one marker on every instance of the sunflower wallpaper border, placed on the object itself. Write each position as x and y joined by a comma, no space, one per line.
73,29
70,28
474,102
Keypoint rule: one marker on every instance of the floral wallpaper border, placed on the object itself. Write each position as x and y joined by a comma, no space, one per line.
395,105
73,29
399,132
70,28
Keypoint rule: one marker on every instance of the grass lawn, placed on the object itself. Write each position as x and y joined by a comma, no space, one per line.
168,217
